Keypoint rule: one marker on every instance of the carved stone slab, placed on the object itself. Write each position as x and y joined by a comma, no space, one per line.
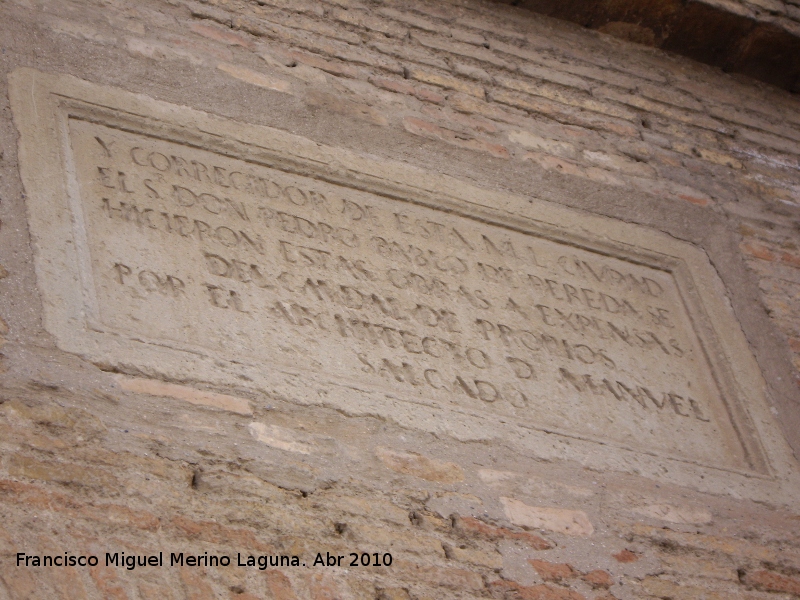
195,248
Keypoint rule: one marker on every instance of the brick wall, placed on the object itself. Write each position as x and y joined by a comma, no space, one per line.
92,462
83,472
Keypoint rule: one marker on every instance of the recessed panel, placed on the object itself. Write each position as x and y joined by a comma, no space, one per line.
186,246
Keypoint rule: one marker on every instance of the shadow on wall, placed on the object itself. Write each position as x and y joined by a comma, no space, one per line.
751,42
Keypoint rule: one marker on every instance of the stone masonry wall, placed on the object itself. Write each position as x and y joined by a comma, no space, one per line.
93,461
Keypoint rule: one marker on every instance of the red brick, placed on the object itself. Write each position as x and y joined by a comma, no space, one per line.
335,67
402,86
741,117
300,25
722,97
549,571
472,525
429,130
410,19
204,11
218,33
511,590
670,95
665,110
564,113
603,56
197,588
439,10
625,556
598,579
770,581
393,85
469,104
459,120
365,20
680,135
758,251
555,76
408,53
279,586
477,123
346,107
467,36
790,259
448,45
446,81
348,53
697,200
472,72
778,161
568,96
583,71
768,140
318,42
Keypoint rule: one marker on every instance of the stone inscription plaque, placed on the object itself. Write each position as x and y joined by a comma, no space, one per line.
196,250
201,257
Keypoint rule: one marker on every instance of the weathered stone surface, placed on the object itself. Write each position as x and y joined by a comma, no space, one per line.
424,99
420,466
561,520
